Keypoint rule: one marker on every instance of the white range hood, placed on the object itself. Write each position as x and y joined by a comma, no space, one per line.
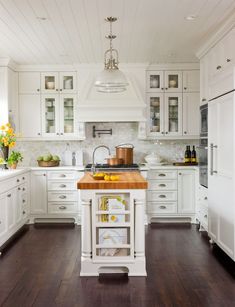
128,106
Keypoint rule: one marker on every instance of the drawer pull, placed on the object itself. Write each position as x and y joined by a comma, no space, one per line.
63,175
162,196
162,185
63,186
62,207
162,175
62,196
162,207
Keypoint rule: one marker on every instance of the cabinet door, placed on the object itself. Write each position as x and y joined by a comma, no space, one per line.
3,216
173,114
68,82
29,82
204,79
191,115
191,81
30,116
50,115
67,115
38,204
229,47
156,114
12,203
173,81
50,82
186,191
155,81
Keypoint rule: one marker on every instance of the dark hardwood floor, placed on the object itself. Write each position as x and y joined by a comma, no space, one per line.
42,268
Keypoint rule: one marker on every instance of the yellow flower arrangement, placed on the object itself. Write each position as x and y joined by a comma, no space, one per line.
7,136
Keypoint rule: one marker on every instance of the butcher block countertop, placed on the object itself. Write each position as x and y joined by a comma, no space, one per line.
127,180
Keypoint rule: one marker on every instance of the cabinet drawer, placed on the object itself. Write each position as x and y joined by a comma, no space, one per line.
63,196
68,207
162,208
162,196
62,175
162,185
61,185
162,174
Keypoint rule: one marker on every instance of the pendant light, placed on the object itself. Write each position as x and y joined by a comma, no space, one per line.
111,79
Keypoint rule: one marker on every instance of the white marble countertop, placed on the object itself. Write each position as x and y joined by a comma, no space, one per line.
145,167
58,168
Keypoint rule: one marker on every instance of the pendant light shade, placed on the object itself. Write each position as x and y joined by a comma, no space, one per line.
111,79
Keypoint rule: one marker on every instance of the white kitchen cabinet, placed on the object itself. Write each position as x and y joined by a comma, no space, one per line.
171,194
29,83
30,120
186,191
38,191
191,81
173,114
156,113
13,203
59,115
191,114
221,172
173,81
204,79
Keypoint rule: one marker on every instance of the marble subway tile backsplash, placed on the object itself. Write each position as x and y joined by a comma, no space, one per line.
170,150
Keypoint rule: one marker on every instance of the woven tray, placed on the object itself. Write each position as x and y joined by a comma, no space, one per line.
48,164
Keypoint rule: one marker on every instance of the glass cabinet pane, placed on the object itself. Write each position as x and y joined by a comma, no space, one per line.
49,82
68,83
154,81
173,81
155,113
50,114
68,110
173,114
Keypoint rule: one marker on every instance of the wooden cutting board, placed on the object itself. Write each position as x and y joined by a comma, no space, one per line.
127,180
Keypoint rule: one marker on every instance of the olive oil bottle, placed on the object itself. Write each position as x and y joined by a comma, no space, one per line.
187,155
194,155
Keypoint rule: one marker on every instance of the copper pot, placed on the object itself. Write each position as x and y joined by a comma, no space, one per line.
125,152
114,161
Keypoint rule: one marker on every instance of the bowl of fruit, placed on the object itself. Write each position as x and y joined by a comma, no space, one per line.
48,160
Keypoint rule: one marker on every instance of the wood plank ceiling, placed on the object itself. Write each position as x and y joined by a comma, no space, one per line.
73,30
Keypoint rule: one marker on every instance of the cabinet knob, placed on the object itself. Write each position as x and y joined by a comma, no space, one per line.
23,201
38,89
185,132
62,134
57,89
39,133
162,132
61,89
185,88
203,99
44,174
205,198
162,88
180,174
228,60
166,132
9,195
166,88
218,67
205,216
23,212
18,180
23,178
23,189
19,189
57,133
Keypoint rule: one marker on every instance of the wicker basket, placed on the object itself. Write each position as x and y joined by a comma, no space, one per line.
48,164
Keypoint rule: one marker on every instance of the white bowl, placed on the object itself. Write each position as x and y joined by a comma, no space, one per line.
153,159
50,85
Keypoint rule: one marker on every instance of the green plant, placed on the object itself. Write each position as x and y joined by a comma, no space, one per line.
14,157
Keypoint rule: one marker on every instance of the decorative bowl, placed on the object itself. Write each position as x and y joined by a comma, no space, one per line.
48,164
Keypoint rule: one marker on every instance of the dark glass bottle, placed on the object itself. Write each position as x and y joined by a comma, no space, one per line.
194,155
187,155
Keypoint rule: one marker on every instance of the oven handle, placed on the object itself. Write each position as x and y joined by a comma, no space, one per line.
212,146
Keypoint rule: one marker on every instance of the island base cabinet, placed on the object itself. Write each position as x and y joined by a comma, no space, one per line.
113,237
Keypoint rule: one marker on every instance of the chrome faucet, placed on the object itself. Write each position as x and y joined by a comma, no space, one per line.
93,167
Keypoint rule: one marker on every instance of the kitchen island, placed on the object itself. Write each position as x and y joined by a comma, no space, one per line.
113,238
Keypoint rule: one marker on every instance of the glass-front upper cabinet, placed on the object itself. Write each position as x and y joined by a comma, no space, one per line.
155,81
50,115
173,114
49,82
156,114
173,81
67,107
68,82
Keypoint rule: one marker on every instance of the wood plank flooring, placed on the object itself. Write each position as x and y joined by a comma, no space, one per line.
42,268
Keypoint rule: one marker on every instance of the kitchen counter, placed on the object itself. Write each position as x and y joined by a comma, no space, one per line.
9,173
127,180
58,168
167,166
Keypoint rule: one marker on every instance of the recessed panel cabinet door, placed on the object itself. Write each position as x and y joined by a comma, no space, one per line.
186,191
191,81
29,82
191,114
12,202
3,215
38,203
30,116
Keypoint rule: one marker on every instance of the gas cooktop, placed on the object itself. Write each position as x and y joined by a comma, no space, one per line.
123,167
